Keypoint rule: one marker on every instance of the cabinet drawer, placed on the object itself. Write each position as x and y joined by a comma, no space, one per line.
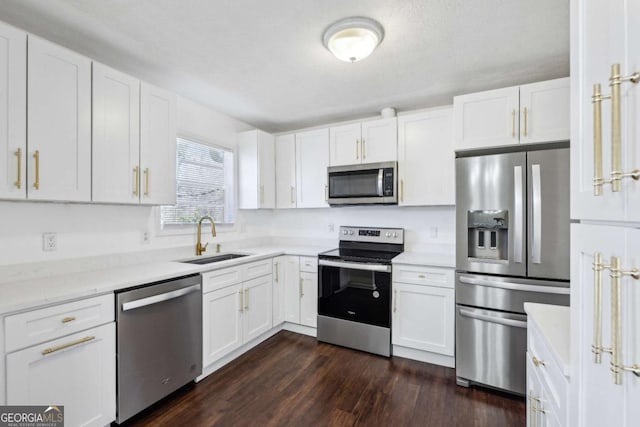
309,264
37,326
554,382
421,275
222,278
257,269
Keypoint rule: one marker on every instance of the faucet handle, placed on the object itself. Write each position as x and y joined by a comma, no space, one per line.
204,248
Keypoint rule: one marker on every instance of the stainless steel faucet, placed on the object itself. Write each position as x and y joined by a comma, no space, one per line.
199,248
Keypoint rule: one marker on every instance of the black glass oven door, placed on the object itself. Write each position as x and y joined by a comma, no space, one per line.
353,294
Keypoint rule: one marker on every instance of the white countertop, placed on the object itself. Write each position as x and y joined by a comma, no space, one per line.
22,295
553,321
426,258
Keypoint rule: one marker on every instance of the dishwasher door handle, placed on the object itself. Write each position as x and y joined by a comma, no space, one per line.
143,302
493,319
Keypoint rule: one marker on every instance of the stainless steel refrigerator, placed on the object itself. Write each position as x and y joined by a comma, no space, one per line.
512,247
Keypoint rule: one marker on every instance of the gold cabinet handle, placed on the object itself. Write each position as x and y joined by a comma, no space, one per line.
538,362
357,149
513,123
146,181
596,347
616,320
67,345
36,156
524,112
261,195
246,299
18,155
136,181
395,300
68,319
596,100
364,150
293,190
421,276
402,190
301,287
276,268
241,300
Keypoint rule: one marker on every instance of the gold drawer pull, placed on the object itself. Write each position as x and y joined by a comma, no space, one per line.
146,181
136,181
18,182
68,319
67,345
538,362
422,276
36,156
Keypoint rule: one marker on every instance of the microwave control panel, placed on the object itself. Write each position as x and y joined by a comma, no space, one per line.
388,182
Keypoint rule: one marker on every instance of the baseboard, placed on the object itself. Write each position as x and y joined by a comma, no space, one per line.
300,329
424,356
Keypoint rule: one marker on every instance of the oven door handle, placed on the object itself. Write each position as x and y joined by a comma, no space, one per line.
514,286
493,319
356,265
143,302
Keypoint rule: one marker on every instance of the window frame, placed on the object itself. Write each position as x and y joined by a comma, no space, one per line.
190,229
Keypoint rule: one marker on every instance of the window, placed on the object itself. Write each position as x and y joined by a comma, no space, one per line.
204,185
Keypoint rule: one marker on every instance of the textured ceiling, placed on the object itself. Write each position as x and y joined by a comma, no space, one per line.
263,62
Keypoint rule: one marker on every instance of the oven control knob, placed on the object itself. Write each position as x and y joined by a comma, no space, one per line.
388,234
395,234
345,232
350,232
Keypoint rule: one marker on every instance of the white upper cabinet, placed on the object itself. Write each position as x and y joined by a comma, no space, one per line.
312,159
544,111
58,123
157,145
426,158
345,145
256,170
285,149
537,112
379,140
116,136
486,119
13,112
367,142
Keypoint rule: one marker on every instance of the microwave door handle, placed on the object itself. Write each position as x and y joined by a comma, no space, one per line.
380,180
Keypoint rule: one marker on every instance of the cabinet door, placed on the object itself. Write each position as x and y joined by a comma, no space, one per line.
278,290
58,123
267,168
157,145
13,116
380,140
291,282
426,159
222,317
423,318
257,307
597,41
600,401
82,377
116,136
486,119
631,112
345,145
312,159
534,396
631,327
248,173
309,299
544,111
285,147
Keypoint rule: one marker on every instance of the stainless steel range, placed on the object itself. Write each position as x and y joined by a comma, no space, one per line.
354,289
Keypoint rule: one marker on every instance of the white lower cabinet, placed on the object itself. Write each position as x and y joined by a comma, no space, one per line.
309,299
237,312
297,279
423,310
77,371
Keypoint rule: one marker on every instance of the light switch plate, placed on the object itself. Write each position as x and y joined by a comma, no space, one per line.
49,242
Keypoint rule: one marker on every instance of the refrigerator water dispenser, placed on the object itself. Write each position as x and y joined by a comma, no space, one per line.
488,235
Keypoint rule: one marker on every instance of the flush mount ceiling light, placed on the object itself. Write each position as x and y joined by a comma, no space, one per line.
353,39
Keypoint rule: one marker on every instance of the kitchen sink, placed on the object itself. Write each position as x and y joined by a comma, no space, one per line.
217,258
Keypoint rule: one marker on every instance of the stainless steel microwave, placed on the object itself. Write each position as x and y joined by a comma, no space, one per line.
373,183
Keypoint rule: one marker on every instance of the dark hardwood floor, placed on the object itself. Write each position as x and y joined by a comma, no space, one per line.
292,380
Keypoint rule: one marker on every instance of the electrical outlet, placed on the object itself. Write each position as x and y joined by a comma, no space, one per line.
331,228
49,242
145,237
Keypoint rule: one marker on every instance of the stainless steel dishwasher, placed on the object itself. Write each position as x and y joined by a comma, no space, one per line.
159,341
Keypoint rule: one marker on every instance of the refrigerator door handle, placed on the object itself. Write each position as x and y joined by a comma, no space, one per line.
536,221
514,286
518,207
